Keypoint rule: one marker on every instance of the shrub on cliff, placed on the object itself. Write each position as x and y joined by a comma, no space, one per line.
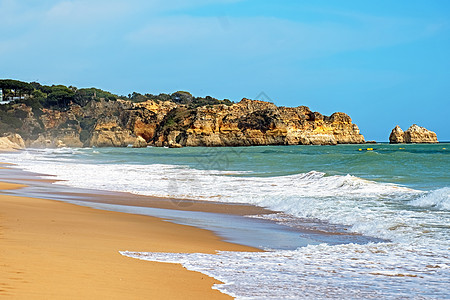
260,120
83,96
9,122
182,97
174,120
136,97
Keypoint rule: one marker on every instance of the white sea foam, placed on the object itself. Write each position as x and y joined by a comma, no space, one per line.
182,181
438,199
348,271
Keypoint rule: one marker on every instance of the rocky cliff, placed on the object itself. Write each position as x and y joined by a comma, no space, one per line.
414,134
252,122
120,123
11,142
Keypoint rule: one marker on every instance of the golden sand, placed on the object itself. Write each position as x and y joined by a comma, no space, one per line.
56,250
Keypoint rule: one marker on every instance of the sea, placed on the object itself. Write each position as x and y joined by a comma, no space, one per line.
398,196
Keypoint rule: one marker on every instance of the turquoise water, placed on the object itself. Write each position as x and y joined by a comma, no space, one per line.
397,193
417,166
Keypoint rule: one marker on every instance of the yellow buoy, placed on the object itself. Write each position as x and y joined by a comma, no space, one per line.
369,149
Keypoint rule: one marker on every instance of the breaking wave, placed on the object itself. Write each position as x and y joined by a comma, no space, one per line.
437,199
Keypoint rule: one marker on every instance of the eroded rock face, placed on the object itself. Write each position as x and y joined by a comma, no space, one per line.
139,142
11,142
397,135
60,139
414,134
164,123
111,135
417,134
253,122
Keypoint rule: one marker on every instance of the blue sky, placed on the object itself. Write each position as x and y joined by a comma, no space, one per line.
382,62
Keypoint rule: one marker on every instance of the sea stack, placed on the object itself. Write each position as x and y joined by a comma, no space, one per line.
414,135
397,136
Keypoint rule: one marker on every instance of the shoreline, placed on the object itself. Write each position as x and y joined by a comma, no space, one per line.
121,198
90,198
39,238
162,207
150,279
411,220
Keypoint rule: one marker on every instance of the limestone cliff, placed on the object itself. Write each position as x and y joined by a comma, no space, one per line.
253,122
414,134
11,142
121,123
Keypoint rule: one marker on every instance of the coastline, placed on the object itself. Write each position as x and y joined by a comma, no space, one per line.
238,223
28,180
408,210
51,249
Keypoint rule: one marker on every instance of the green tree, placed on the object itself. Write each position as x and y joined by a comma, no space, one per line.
84,96
60,96
19,87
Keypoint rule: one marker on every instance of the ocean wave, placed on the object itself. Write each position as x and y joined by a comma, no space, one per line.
437,199
228,186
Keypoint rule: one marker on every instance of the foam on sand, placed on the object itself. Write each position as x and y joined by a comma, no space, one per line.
349,271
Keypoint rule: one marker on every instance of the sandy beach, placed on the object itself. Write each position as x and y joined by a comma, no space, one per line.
56,250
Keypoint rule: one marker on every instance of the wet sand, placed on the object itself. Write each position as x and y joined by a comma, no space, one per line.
56,250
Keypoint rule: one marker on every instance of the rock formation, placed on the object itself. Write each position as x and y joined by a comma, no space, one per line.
122,123
253,122
11,142
414,134
397,136
417,134
139,142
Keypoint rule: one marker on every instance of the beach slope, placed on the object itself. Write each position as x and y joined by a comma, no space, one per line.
56,250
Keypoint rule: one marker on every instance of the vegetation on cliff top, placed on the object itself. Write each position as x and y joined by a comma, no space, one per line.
60,96
180,97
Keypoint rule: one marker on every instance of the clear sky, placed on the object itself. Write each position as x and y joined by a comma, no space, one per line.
384,62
